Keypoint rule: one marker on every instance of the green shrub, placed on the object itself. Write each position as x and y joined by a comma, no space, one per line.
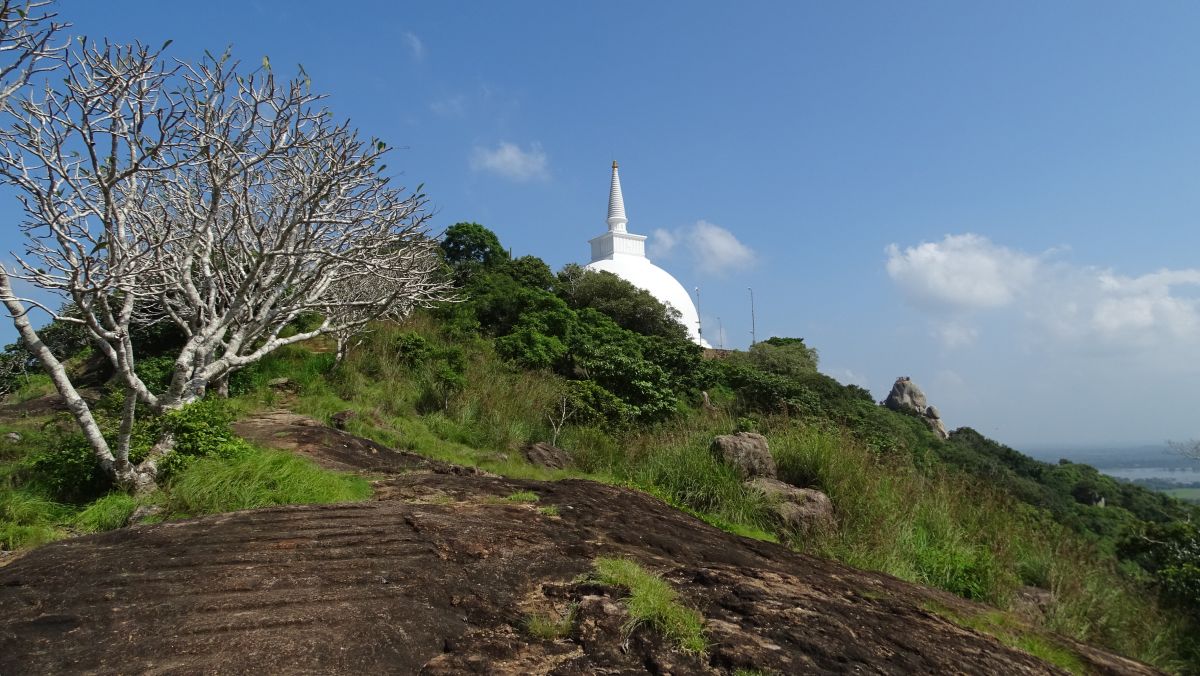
200,430
63,465
156,371
259,478
108,513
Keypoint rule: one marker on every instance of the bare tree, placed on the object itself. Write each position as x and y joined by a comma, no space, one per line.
27,32
1188,449
225,202
559,418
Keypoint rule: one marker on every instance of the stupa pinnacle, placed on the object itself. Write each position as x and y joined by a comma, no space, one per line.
616,204
624,254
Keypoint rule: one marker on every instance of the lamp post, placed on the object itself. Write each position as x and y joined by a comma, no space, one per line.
752,327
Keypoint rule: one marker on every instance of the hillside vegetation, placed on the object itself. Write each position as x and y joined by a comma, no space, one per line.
601,369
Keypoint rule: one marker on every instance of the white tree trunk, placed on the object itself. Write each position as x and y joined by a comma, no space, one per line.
75,403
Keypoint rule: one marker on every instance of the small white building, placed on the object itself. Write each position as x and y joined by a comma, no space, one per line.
624,254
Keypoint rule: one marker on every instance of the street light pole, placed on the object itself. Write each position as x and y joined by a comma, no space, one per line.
752,326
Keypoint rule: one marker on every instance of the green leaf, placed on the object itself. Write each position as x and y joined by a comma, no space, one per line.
166,44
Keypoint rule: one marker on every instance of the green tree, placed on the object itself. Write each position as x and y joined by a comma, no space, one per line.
630,307
469,246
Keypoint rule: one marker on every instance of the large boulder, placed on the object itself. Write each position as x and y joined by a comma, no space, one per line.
747,452
543,454
803,510
907,397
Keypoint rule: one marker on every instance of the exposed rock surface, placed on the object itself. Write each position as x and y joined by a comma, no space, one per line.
906,396
437,576
801,509
747,452
342,418
543,454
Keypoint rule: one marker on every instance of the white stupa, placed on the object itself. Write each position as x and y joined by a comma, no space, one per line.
624,254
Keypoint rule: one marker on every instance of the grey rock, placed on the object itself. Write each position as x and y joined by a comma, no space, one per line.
143,512
747,452
905,395
12,437
938,427
545,455
341,418
803,510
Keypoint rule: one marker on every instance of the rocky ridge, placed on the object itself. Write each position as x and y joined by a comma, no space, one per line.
438,575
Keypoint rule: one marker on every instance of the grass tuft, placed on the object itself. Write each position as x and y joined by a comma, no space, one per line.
107,513
549,628
652,601
523,496
259,479
27,519
548,510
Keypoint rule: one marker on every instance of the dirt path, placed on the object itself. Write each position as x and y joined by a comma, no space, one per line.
439,577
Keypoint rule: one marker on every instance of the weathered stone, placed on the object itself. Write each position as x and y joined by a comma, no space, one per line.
280,383
341,418
938,427
905,395
545,455
143,512
801,509
747,452
12,437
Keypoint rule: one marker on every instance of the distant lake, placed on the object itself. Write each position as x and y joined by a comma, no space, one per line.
1175,474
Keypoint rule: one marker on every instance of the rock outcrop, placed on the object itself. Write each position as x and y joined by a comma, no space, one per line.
746,452
906,396
439,574
543,454
802,510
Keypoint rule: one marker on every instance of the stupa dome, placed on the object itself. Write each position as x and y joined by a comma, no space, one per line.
624,254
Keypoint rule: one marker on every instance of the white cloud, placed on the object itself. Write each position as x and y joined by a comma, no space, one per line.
712,249
965,278
415,46
510,161
452,106
962,272
662,243
955,334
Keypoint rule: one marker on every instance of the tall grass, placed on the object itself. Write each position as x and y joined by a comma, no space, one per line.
951,532
258,479
109,512
28,519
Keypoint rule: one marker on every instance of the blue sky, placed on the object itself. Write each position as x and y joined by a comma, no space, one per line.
998,200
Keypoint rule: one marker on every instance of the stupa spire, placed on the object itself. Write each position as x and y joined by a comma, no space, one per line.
616,204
